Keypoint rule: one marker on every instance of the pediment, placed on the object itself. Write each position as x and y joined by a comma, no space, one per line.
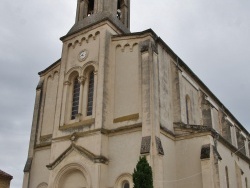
82,151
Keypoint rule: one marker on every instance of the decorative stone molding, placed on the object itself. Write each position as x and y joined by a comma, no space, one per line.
124,177
28,165
46,138
84,152
40,85
65,170
85,38
159,146
126,118
193,127
82,79
67,83
146,45
145,145
42,185
74,137
77,125
123,46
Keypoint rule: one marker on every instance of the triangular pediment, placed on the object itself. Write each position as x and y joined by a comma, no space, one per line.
82,151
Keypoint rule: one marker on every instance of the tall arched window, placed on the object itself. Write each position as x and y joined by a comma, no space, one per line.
75,98
188,109
227,177
90,94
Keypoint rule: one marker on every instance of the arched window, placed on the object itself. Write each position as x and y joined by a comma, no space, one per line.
227,177
75,98
90,7
188,109
125,184
119,9
90,93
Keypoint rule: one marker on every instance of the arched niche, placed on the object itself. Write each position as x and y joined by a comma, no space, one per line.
72,176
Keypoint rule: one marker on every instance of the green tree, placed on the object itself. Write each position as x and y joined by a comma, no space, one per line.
142,176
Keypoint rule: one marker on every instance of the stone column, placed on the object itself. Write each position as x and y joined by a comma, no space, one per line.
151,143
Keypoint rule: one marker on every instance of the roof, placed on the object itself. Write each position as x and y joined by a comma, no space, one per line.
5,175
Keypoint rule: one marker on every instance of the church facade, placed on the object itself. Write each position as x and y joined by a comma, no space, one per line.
114,96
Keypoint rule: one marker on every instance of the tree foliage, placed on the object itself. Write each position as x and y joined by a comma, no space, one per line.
142,176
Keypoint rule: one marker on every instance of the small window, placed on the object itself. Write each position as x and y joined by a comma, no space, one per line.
125,184
90,94
119,9
91,7
75,98
188,109
227,177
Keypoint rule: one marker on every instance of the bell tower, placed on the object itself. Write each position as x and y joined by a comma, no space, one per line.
90,12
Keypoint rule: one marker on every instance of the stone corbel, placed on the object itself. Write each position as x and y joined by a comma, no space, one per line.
82,79
67,83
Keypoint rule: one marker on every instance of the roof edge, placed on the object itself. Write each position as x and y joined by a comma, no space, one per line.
49,67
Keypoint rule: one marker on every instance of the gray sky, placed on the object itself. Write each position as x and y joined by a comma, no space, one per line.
211,37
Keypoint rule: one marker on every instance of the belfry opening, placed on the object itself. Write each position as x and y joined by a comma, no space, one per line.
90,7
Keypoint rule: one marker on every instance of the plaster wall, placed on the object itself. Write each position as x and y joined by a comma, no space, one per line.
193,93
165,90
188,163
124,152
169,162
39,172
126,81
231,160
215,120
50,104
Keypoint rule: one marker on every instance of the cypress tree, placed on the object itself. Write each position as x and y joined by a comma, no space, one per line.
142,176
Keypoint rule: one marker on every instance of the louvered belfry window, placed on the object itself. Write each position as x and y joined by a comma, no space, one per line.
75,99
90,94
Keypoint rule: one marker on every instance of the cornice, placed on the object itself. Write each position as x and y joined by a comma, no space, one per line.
81,150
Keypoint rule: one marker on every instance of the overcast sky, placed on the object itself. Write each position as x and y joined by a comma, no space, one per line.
211,36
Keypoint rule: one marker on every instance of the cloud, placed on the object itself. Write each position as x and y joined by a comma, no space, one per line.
210,36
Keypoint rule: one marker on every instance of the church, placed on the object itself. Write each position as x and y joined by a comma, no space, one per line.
114,96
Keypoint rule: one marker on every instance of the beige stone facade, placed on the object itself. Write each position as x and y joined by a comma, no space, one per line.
115,96
5,179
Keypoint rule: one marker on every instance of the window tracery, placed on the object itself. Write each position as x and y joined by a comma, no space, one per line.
75,98
90,94
79,96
